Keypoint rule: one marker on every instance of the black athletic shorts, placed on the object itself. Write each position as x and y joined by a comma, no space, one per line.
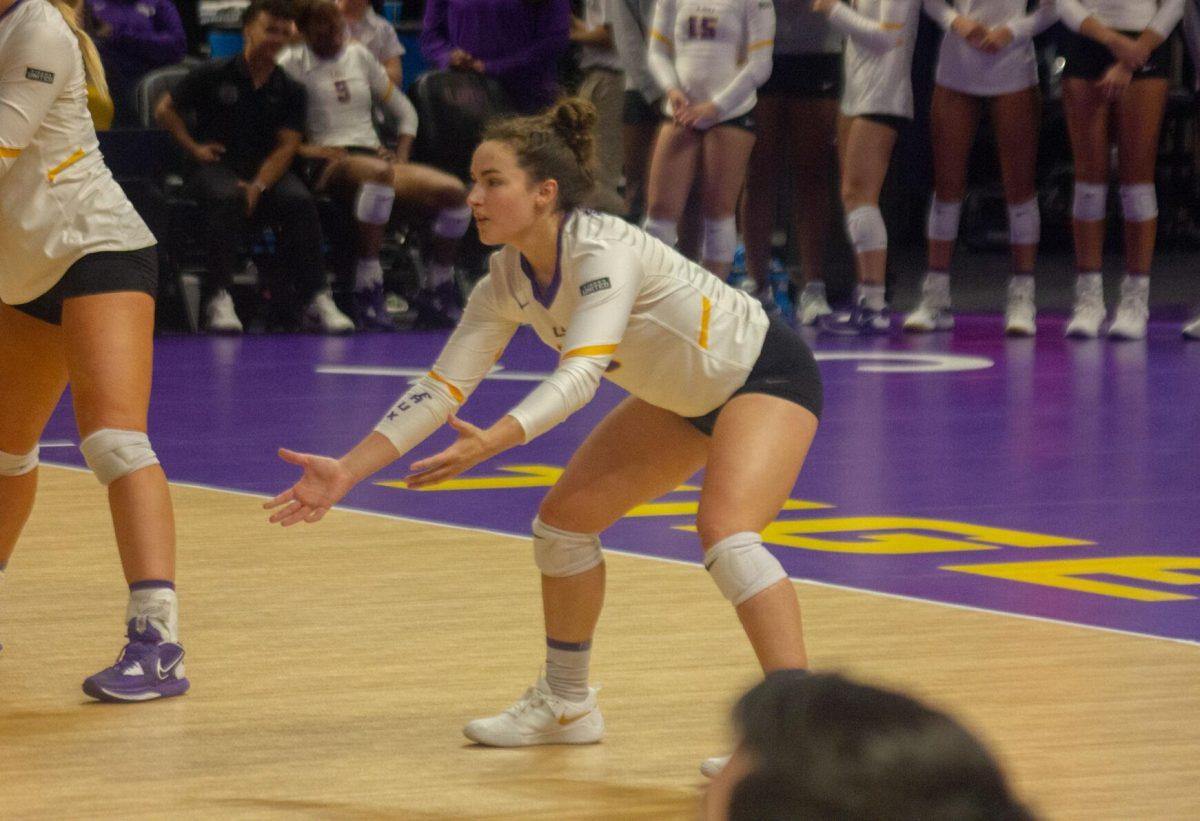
892,121
639,112
808,76
1088,60
744,122
311,168
103,272
785,368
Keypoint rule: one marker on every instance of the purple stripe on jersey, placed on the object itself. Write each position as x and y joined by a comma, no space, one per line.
555,644
152,584
546,298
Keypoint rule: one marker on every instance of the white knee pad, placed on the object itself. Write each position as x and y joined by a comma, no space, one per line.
1025,223
742,567
112,454
720,239
452,223
1139,202
665,231
864,226
374,203
561,553
943,220
13,464
1091,201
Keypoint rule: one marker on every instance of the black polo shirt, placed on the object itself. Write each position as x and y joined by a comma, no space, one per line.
229,110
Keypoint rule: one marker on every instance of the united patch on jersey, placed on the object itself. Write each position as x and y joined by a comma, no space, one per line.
601,284
39,75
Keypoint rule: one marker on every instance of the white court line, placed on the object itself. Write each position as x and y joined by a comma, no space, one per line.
832,585
56,443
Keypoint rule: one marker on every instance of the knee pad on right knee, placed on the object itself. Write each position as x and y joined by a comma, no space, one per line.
560,553
18,464
1024,223
943,220
113,454
741,567
720,239
665,231
373,205
865,227
452,223
1091,201
1139,202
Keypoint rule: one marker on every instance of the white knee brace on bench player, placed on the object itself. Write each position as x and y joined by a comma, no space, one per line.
742,567
112,454
374,203
561,553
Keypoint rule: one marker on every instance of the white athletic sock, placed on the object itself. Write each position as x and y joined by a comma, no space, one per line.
155,601
439,273
367,274
937,282
872,296
567,668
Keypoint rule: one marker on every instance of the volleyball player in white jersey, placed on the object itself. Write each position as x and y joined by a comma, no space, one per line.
876,103
709,56
986,58
78,274
343,81
796,119
1115,86
714,383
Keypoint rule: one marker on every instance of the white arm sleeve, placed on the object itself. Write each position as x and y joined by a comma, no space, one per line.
880,35
1072,13
940,12
1026,27
760,37
661,55
1169,14
34,70
593,333
469,354
390,98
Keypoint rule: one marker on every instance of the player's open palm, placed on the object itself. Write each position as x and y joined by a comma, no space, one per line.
324,482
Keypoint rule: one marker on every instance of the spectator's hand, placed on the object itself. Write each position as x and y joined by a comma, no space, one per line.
1133,53
996,40
477,66
700,115
460,59
970,30
253,195
385,153
324,482
678,103
1115,81
823,6
209,153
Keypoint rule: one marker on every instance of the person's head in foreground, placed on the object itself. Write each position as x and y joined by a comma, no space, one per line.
825,747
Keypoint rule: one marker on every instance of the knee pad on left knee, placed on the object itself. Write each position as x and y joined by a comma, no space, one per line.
452,223
1024,223
112,454
373,205
943,220
866,229
561,553
741,567
1139,202
18,464
720,239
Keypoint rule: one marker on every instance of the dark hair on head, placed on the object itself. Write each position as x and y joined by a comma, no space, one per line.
825,747
308,11
281,9
554,145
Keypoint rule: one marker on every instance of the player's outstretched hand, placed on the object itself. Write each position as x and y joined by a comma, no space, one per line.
471,448
324,482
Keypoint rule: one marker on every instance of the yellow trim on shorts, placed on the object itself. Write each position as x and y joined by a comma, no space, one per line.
454,391
705,313
590,350
760,44
10,152
65,164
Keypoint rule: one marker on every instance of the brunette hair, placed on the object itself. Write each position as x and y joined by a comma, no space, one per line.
554,145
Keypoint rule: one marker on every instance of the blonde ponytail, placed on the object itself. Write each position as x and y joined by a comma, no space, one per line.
92,67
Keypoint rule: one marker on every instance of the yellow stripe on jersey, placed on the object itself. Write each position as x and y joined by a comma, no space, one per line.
65,164
10,152
658,35
705,313
454,391
590,350
891,26
760,44
388,95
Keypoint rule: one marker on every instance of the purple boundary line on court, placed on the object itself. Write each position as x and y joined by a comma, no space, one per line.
1083,441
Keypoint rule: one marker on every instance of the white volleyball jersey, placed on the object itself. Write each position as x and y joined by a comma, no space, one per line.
880,38
966,69
622,305
718,50
800,30
631,21
58,200
376,34
1124,15
598,13
341,92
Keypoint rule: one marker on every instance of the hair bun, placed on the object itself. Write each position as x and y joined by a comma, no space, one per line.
573,119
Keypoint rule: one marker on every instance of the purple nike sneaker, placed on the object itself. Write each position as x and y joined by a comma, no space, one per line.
147,668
